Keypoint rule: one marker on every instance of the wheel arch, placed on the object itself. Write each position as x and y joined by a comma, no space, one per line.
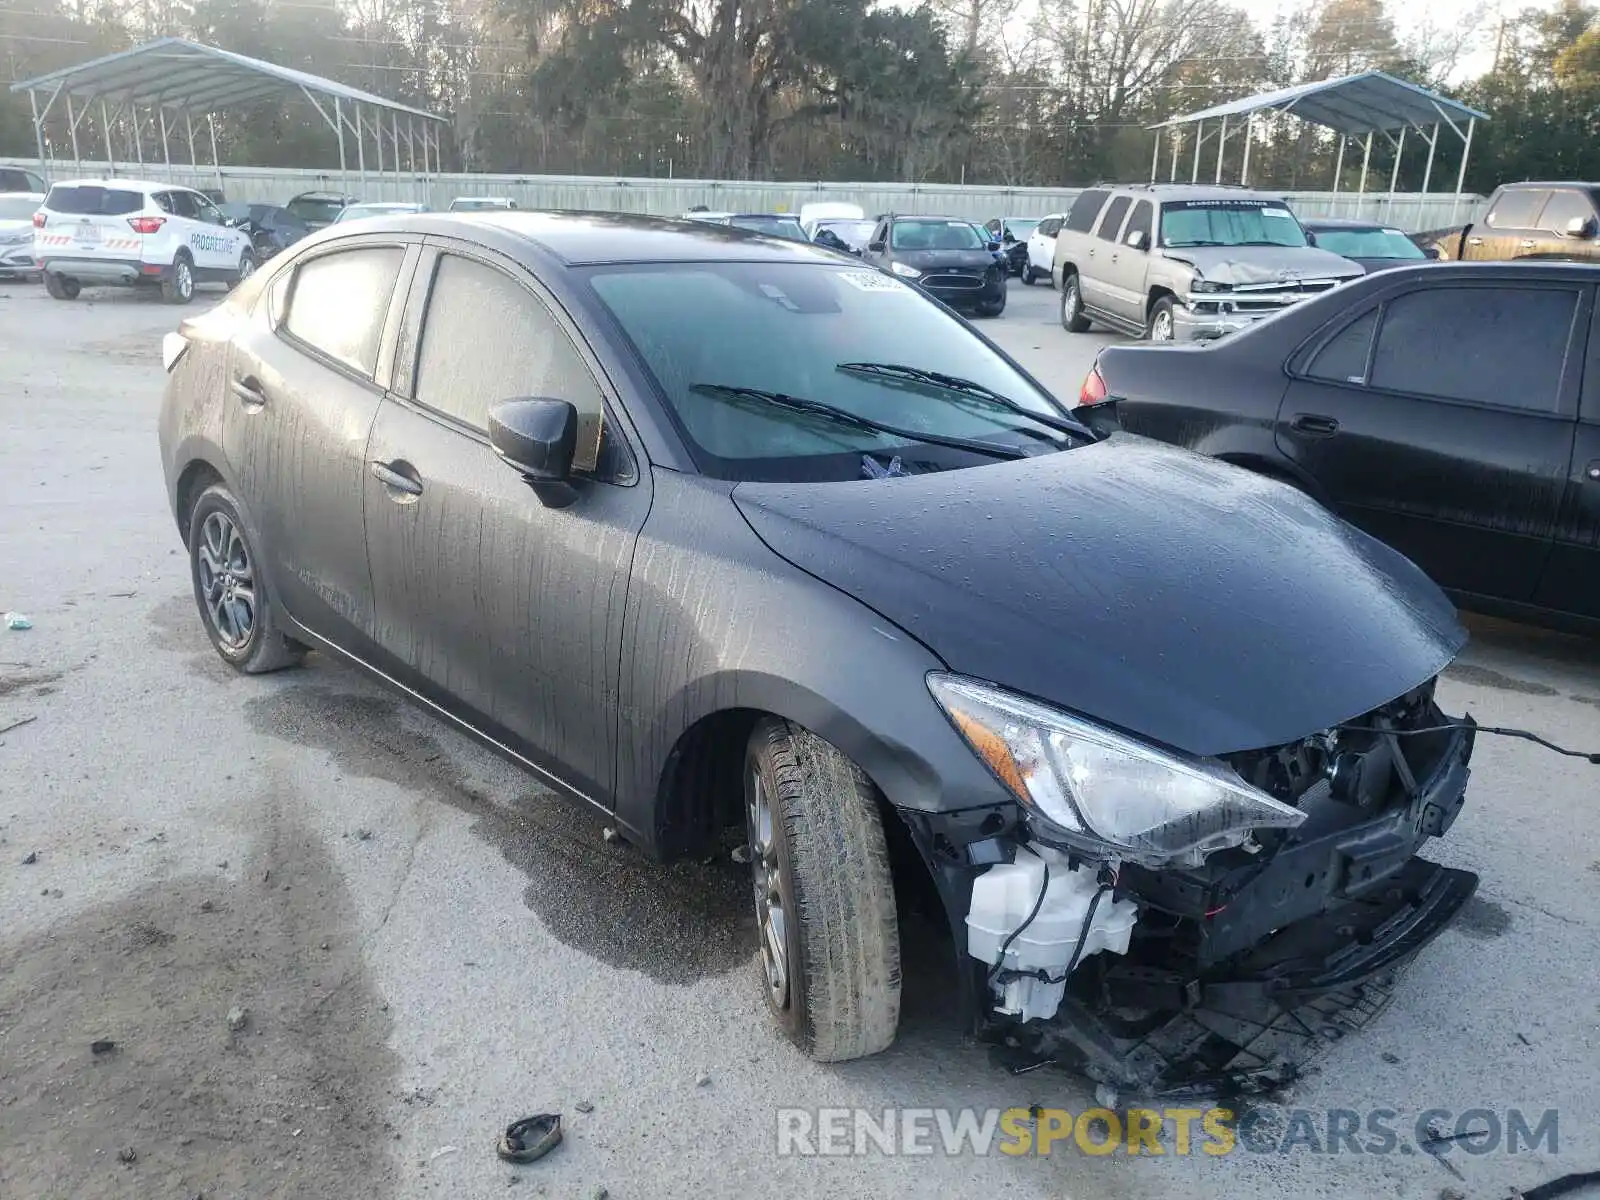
1155,293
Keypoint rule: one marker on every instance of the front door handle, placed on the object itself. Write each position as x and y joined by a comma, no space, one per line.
1474,241
1315,424
396,478
249,393
1528,243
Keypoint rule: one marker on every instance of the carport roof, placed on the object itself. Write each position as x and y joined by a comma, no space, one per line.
176,73
1371,102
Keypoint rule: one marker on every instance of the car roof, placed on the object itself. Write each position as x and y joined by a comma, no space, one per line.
124,185
595,238
1342,223
1550,183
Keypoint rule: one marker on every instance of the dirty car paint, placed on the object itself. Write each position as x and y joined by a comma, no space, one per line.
1150,588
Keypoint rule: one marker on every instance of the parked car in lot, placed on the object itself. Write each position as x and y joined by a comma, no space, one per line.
1041,255
732,533
1526,220
16,234
133,234
379,208
1452,412
319,209
852,235
1012,233
947,257
813,215
482,203
1177,262
778,225
1371,245
272,229
16,179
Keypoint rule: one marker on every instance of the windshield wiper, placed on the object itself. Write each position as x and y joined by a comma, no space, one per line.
956,383
1199,243
843,416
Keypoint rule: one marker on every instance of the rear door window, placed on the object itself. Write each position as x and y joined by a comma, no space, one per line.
1504,346
1516,209
93,200
340,301
1343,357
1112,221
1084,210
1142,221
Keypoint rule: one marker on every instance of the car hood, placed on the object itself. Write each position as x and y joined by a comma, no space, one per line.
925,259
1167,594
1263,264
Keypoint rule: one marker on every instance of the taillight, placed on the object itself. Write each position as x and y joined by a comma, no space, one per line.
147,224
38,219
1093,390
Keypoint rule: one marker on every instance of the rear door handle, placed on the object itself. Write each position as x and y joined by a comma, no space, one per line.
1528,243
396,479
248,390
1474,241
1316,425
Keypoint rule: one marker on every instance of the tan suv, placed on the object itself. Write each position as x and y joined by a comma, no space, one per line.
1185,263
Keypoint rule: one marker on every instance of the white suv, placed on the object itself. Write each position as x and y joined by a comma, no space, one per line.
123,232
1042,248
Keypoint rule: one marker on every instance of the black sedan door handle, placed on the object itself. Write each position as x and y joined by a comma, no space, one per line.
1316,425
396,480
1594,472
249,393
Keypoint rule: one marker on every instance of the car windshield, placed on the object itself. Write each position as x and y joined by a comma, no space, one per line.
937,235
1229,223
1369,243
17,208
316,208
704,329
1020,229
773,226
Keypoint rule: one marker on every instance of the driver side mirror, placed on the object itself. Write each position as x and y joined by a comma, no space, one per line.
1138,239
535,436
1311,238
1431,252
875,247
1581,227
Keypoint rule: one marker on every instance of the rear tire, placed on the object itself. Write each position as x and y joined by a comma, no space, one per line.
177,286
1072,317
831,957
230,588
1027,275
60,287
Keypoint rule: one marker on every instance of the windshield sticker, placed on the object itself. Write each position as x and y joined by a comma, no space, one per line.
872,281
1394,233
1277,212
1230,202
776,294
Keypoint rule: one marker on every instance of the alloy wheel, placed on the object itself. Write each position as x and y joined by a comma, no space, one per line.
1161,326
772,920
184,278
227,581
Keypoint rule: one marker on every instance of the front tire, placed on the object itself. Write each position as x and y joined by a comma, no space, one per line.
825,902
1028,275
60,287
1160,326
177,286
231,590
1072,316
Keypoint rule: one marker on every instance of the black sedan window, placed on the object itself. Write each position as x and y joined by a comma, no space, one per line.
711,333
935,235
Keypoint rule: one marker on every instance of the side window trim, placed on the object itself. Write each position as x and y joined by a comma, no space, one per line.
383,368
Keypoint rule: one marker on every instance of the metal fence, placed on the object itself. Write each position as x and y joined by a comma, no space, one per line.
669,197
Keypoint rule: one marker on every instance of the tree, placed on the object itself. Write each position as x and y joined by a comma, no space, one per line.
1349,36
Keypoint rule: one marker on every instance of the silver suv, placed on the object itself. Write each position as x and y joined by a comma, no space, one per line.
1185,263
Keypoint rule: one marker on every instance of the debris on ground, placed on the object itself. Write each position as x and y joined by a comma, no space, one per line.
1390,1057
442,1151
30,858
530,1139
584,1106
702,1081
127,1155
102,1046
740,854
18,724
1563,1186
15,620
1450,1193
600,1193
610,833
238,1018
207,906
363,835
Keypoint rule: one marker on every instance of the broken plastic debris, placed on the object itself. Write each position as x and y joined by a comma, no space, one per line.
15,620
871,468
102,1046
530,1139
442,1151
584,1106
238,1018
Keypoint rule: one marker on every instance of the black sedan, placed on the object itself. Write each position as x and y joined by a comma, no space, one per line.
271,229
1452,411
1370,244
947,257
733,532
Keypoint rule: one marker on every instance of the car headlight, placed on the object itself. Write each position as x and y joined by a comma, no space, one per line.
904,271
1103,793
1209,285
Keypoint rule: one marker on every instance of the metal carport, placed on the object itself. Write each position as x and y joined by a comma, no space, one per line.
172,76
1369,103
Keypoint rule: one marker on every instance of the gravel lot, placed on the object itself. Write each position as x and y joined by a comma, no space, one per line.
427,947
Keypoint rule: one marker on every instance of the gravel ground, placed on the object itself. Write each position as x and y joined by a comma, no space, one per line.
415,945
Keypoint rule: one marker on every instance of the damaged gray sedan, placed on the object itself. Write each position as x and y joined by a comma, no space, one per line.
731,537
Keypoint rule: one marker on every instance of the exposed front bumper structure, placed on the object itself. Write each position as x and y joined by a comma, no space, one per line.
1204,316
1241,968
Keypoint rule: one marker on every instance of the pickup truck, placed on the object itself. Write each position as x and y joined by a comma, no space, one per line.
1526,220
